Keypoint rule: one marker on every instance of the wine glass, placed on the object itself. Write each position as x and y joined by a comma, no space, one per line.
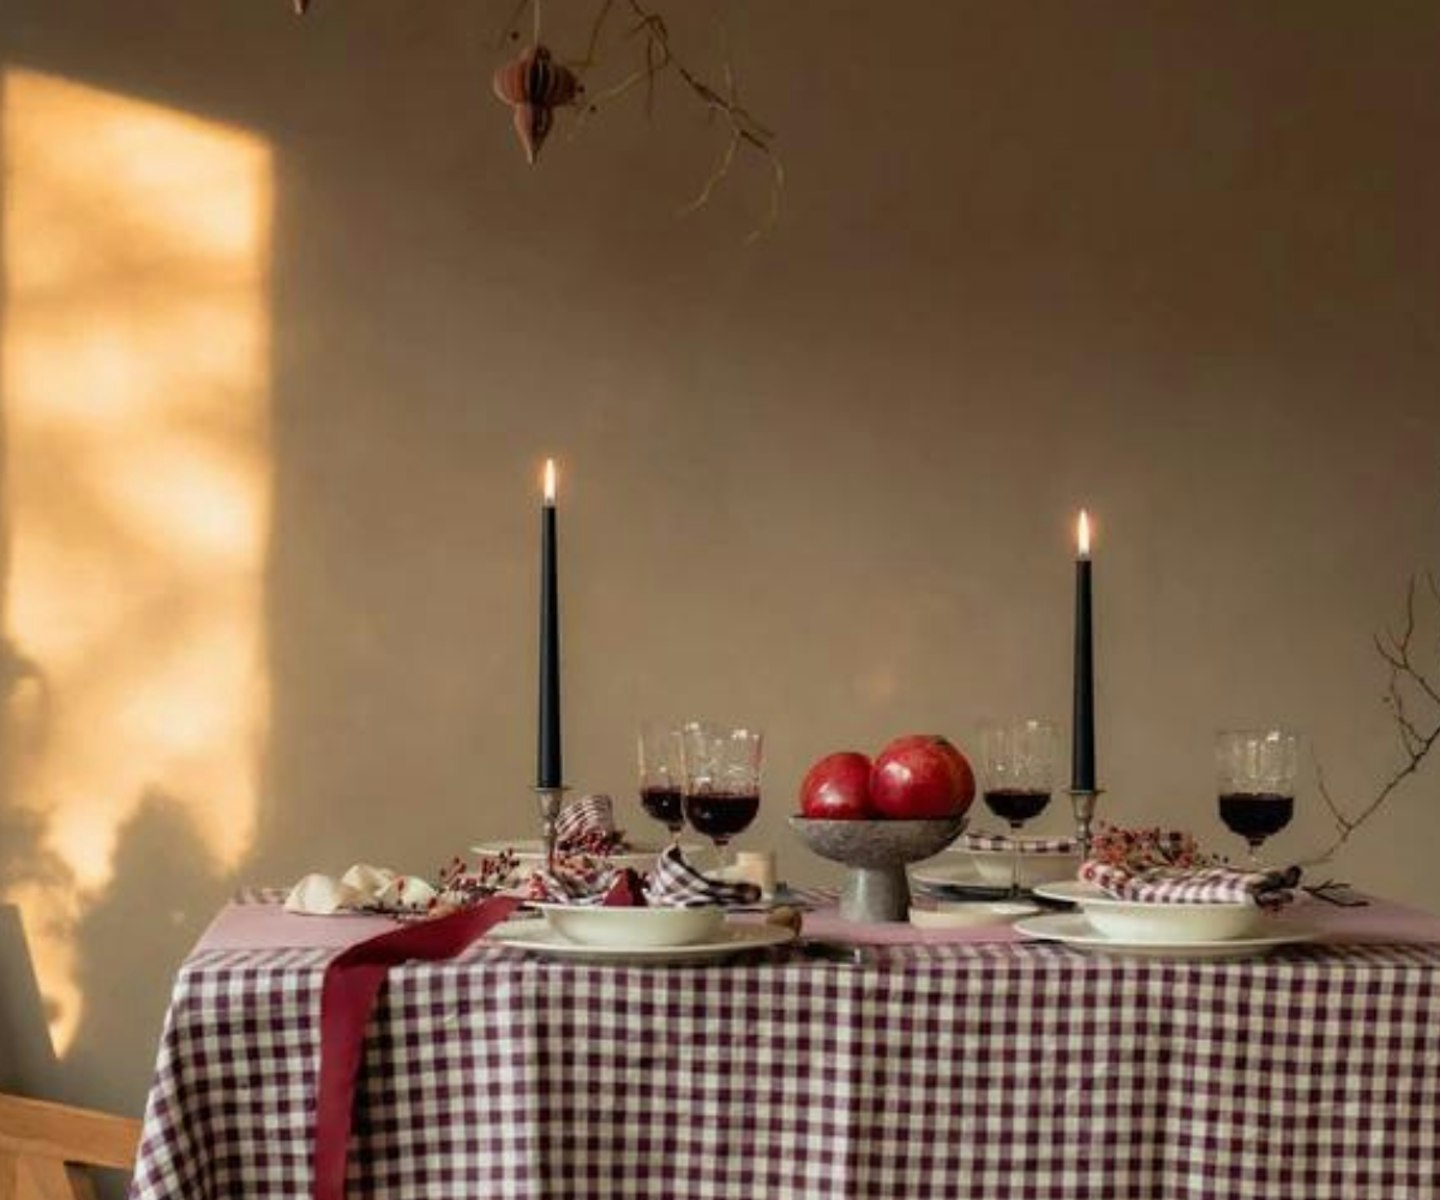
662,774
1018,761
722,779
1257,770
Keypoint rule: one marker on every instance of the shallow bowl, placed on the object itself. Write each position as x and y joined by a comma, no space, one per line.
993,867
595,925
1132,921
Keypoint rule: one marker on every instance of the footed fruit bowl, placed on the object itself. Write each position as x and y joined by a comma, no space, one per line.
877,853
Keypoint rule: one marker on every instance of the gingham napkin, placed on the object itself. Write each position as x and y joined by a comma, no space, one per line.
362,888
671,883
587,825
674,883
1193,885
571,881
1000,841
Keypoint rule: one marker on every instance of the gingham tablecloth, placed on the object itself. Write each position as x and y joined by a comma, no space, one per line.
1017,1071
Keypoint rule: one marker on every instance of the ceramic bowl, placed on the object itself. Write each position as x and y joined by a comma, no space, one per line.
877,843
993,867
595,925
1131,921
877,853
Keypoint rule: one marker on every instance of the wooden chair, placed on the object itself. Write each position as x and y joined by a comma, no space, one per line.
43,1148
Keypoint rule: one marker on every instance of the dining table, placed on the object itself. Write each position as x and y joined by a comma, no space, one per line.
857,1061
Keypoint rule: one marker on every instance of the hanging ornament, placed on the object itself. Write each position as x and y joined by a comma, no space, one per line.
534,85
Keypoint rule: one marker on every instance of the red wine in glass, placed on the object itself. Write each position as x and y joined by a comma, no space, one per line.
721,815
1016,805
664,805
1256,815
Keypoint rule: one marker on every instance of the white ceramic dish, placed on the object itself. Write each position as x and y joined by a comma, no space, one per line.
1075,929
733,937
966,914
596,925
637,858
993,867
1133,921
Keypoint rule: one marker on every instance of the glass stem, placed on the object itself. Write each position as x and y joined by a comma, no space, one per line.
1014,862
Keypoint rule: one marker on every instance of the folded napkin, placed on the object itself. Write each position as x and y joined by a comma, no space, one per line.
362,888
1000,841
672,883
1215,884
587,826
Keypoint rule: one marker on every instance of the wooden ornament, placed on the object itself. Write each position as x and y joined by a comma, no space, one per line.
534,85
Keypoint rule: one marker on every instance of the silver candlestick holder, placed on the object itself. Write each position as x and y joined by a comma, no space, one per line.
1082,803
550,800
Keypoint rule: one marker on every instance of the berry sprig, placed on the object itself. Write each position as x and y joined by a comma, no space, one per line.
596,842
1147,849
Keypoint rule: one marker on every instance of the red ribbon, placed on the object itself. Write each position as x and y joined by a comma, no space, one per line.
352,983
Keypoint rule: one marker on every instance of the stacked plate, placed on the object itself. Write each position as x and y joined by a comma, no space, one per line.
1234,929
592,933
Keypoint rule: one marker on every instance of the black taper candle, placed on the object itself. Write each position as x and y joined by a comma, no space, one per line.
1082,740
549,773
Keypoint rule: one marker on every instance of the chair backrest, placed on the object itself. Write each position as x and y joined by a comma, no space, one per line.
42,1144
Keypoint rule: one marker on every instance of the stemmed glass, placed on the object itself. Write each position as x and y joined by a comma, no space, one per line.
662,774
1256,770
722,779
1018,764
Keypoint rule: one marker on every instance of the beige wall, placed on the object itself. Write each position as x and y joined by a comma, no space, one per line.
1176,262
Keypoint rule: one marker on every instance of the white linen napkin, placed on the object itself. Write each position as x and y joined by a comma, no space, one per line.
362,888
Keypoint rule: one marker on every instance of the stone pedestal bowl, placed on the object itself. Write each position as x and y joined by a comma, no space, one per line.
877,852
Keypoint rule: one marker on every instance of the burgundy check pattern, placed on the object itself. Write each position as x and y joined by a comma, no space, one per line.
589,814
1195,885
1014,1071
674,883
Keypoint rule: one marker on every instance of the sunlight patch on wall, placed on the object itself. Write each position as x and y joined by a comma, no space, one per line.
135,391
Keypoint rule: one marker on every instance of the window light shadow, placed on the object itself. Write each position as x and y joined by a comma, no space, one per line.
137,469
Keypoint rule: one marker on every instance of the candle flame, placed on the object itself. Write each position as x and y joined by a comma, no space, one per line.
1082,534
549,481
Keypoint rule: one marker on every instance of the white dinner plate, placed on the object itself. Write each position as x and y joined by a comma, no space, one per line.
991,868
733,938
1073,929
637,858
950,871
962,914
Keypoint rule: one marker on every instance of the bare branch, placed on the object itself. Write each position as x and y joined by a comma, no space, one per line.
745,131
597,27
1417,740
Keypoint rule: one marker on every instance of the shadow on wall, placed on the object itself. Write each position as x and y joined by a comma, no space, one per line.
137,468
165,887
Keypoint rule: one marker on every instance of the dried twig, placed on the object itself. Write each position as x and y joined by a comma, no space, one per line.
745,130
1419,734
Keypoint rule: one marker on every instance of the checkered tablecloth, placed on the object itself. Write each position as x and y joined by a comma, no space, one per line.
1015,1071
